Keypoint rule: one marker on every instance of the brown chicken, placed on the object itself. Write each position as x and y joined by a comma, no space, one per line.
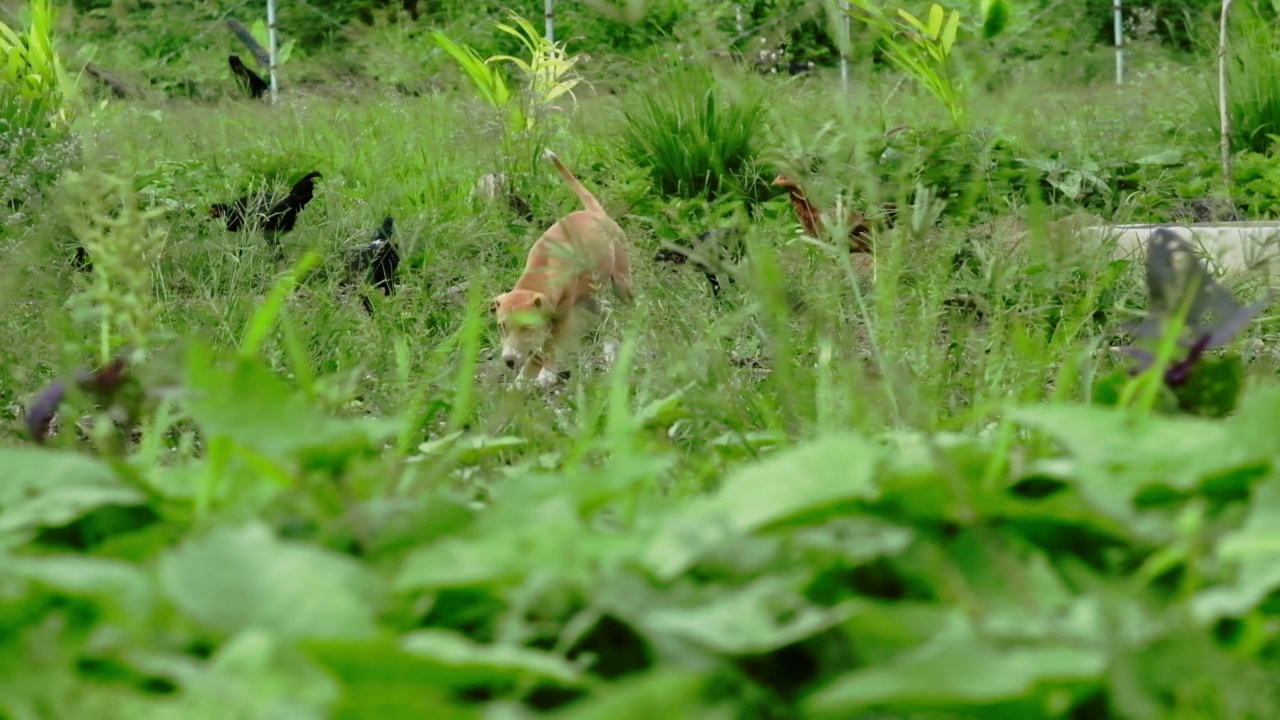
811,217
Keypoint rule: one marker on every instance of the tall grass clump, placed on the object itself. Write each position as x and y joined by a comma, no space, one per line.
1253,80
693,139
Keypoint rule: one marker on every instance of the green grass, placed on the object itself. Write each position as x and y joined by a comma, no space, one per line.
321,494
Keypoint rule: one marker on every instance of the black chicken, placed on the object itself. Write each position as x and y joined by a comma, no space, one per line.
273,218
248,79
520,206
81,261
378,261
797,67
710,249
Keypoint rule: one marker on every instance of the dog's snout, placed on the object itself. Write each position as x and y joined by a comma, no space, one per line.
510,361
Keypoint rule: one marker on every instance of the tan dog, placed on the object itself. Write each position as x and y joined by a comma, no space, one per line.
564,272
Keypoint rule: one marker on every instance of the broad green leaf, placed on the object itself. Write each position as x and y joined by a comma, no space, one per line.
1016,589
257,409
911,482
254,674
381,681
11,40
936,16
762,617
560,89
43,487
487,81
522,37
1254,552
663,694
399,524
387,663
237,578
913,20
1116,454
120,584
822,473
492,662
885,629
548,537
1251,425
526,67
855,539
949,33
958,669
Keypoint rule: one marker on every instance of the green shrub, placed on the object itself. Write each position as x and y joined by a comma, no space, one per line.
971,170
1257,185
695,143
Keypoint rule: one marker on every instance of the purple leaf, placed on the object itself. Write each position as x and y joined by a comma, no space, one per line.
41,411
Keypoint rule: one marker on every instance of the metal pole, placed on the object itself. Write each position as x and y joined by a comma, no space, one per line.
549,12
271,48
844,50
1119,43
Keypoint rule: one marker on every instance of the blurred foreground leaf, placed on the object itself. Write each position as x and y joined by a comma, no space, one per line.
236,578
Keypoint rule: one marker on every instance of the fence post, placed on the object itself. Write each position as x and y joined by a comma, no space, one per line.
549,14
271,48
1119,23
1224,115
844,49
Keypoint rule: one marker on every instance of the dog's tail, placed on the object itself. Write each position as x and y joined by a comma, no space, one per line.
584,194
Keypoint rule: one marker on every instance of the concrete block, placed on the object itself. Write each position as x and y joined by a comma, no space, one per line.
1227,246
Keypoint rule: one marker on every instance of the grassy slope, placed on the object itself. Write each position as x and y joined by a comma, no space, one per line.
416,158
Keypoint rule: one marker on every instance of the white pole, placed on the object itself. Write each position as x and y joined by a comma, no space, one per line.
844,52
1224,116
271,48
549,12
739,21
1119,44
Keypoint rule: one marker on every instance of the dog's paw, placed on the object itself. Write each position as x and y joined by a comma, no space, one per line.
548,378
548,154
611,350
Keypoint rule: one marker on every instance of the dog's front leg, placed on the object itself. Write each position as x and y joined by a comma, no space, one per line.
561,328
533,367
